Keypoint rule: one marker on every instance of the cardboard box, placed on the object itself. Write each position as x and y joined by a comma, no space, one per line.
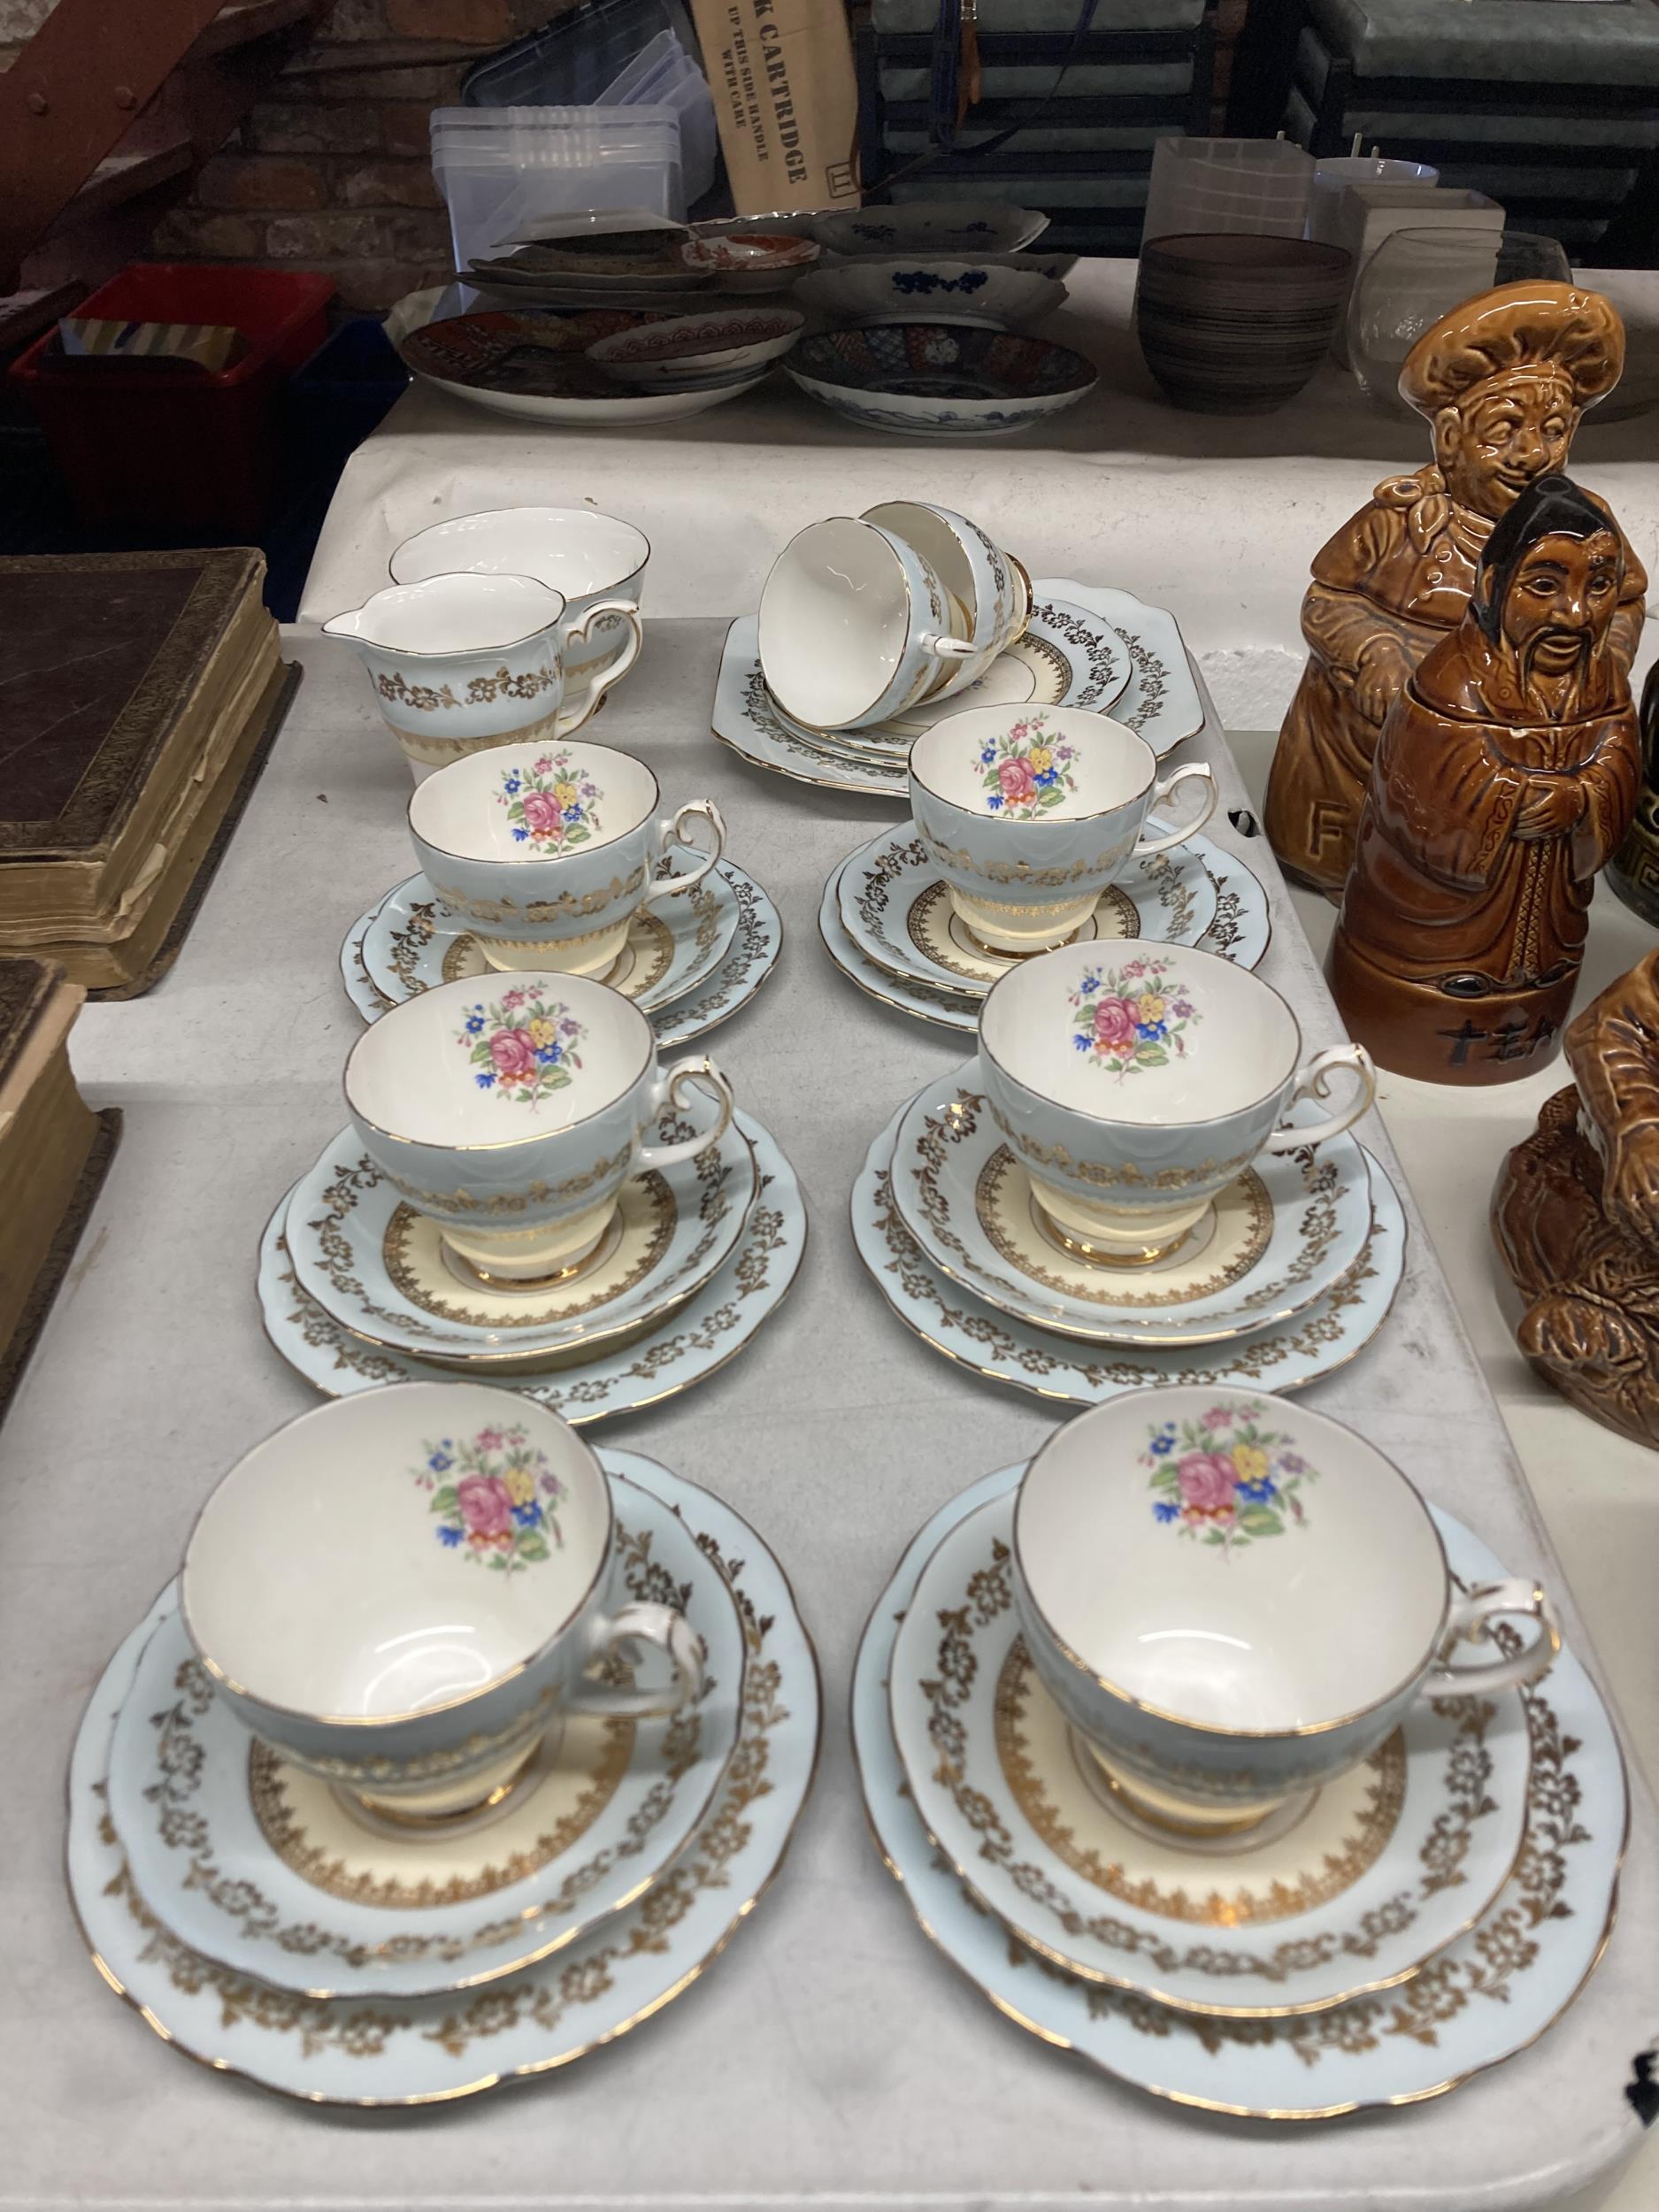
786,98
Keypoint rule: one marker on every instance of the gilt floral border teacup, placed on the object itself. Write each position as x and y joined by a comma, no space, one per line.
980,577
1136,1082
853,626
547,852
401,1590
586,557
1029,815
463,663
512,1116
1234,1599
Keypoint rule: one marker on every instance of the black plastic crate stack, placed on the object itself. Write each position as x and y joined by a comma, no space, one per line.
1551,107
1142,70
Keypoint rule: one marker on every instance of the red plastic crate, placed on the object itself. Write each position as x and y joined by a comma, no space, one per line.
169,445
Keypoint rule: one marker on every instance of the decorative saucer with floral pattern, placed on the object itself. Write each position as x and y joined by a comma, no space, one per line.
265,1871
1484,1998
895,906
1387,1865
389,2050
1281,1236
1241,931
662,1358
415,944
382,1270
1160,701
415,941
1284,1356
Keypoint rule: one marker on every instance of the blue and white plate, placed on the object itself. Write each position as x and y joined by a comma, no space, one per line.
415,941
431,2050
680,1348
1241,930
1479,2001
1287,1355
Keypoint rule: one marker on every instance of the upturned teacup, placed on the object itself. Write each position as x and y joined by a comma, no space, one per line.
403,1590
1134,1081
463,663
1029,814
1234,1601
854,624
512,1117
547,852
981,580
586,557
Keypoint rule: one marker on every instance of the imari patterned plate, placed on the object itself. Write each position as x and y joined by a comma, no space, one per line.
1241,931
258,1867
895,906
1281,1236
1486,1997
410,2050
380,1269
1390,1864
382,967
665,1358
1287,1355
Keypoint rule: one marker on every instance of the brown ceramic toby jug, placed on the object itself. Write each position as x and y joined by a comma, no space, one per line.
1505,776
1503,381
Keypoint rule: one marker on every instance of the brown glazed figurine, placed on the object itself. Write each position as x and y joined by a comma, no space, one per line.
1503,379
1633,870
1505,777
1575,1215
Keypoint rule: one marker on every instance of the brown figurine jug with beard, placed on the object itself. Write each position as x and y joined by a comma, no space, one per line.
1575,1215
1505,777
1503,381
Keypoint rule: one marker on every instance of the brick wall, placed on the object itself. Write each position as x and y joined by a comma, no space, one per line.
331,170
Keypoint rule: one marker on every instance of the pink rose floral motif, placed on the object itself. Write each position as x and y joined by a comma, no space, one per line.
1224,1479
1130,1018
523,1048
1024,772
551,804
1017,780
494,1498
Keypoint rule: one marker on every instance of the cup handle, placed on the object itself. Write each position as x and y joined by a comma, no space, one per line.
670,1088
949,648
618,670
670,1633
1313,1081
1196,771
1469,1612
674,832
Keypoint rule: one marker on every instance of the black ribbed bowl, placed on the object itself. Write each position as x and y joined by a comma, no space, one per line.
1233,324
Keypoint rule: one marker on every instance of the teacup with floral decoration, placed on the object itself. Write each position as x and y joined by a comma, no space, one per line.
403,1590
548,851
1135,1085
463,663
512,1112
1030,814
1234,1599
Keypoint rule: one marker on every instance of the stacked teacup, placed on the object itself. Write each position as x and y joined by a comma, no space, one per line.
1209,1708
870,627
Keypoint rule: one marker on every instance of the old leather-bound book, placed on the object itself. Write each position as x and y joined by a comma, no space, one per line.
46,1129
133,687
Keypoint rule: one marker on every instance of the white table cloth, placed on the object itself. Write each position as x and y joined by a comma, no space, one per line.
832,2058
